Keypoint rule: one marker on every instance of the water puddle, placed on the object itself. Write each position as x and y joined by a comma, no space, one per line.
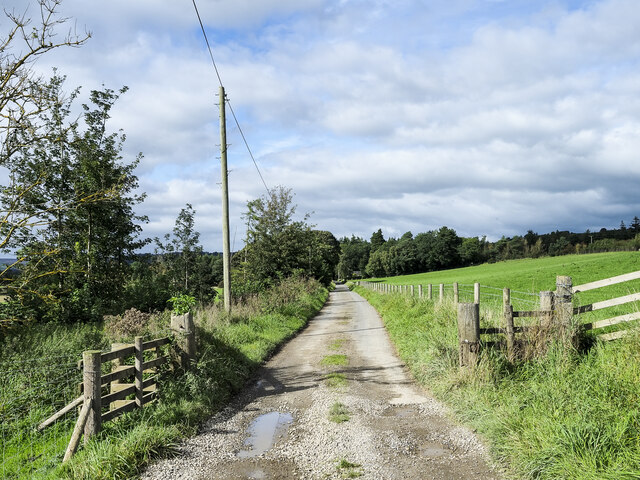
433,450
263,432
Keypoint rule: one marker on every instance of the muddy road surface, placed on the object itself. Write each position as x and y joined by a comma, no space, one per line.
335,402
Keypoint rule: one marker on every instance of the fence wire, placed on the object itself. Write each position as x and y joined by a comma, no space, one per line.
30,392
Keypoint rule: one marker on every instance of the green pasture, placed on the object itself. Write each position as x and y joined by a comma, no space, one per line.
561,414
527,277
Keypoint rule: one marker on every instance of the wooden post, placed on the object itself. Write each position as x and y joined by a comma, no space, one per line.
412,290
564,307
139,371
430,291
441,292
420,292
92,392
546,305
115,385
77,431
456,293
183,325
469,333
508,321
476,292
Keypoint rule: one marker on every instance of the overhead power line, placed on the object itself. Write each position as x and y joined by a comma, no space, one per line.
233,113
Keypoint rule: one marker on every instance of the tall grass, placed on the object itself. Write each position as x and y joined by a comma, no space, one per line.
230,348
562,415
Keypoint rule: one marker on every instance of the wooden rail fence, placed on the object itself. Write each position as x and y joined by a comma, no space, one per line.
556,311
127,386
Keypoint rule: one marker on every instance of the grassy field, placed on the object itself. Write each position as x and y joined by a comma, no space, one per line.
565,414
39,375
527,277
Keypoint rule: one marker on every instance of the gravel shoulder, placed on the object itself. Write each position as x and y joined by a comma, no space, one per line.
383,425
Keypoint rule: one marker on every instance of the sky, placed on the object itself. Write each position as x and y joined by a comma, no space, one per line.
490,117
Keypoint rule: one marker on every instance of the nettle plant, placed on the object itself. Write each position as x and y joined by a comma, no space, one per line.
181,304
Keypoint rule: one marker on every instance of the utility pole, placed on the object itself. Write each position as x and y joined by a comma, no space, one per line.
226,253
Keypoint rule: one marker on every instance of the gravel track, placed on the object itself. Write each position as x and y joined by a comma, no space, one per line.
394,431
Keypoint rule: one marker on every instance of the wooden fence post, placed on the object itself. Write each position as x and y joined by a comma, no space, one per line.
508,320
430,291
546,305
92,392
456,293
412,290
469,333
184,327
476,293
564,308
420,293
441,292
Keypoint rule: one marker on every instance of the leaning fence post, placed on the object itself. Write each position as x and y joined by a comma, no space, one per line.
92,392
456,294
469,333
430,291
564,307
420,293
476,292
508,321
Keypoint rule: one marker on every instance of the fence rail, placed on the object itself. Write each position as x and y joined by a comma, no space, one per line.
555,311
107,395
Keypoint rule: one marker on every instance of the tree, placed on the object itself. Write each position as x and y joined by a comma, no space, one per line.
635,225
276,245
445,248
324,255
470,251
179,254
23,94
377,240
25,98
81,191
354,256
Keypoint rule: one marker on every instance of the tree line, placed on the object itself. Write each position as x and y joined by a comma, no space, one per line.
68,205
443,248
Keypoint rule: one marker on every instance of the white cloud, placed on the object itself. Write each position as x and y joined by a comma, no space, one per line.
489,117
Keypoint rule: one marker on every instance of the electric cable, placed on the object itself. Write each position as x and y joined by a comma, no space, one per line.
233,113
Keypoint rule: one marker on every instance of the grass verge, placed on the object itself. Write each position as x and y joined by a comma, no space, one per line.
229,351
563,415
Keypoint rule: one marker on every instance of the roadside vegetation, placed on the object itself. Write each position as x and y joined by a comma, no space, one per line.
571,414
229,351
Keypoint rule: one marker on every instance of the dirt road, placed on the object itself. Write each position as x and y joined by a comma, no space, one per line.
334,403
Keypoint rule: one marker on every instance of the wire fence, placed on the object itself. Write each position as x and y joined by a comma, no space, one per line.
30,391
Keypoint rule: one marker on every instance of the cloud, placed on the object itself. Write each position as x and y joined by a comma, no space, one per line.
489,117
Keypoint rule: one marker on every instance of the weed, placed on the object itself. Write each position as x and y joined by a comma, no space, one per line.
336,360
339,413
336,380
336,344
349,469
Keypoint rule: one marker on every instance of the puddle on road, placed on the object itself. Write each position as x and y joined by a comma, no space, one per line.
263,432
433,450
